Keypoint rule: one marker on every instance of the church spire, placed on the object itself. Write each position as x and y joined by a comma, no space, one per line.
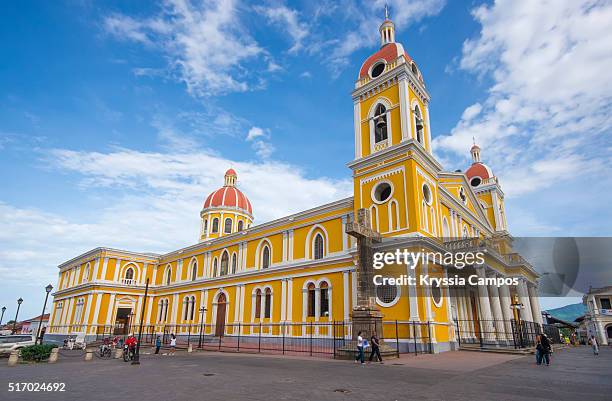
475,151
387,29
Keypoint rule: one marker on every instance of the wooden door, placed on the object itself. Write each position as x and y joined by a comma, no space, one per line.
220,323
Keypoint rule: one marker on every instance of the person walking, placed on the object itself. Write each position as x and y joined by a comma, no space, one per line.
594,345
172,344
157,344
546,349
360,356
375,348
539,354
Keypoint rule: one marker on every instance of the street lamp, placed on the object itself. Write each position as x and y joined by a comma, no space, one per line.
131,315
19,301
517,306
136,360
38,334
2,317
202,310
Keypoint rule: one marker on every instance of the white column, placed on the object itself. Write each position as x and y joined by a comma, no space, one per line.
485,307
283,297
497,312
85,319
117,269
104,267
404,108
94,273
97,307
353,288
289,299
345,244
175,302
241,306
111,309
346,291
285,241
150,301
506,301
317,303
535,304
357,126
412,296
237,304
291,245
526,313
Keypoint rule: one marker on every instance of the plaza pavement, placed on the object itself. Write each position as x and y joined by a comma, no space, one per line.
575,374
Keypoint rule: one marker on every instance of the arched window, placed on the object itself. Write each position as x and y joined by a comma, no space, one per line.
418,124
194,270
265,258
215,225
166,310
168,276
86,274
129,275
234,263
318,247
227,226
214,271
240,225
186,308
268,304
380,124
206,226
192,310
465,233
324,306
258,303
311,300
224,263
445,229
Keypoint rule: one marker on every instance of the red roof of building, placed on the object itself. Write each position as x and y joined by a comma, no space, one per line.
479,170
388,52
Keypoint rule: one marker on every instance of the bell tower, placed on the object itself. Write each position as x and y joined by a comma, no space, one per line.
392,138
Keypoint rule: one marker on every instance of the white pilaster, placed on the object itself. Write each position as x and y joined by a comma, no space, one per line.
346,292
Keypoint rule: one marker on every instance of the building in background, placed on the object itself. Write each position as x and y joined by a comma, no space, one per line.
598,319
301,269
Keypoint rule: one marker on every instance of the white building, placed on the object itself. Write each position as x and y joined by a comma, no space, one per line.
598,318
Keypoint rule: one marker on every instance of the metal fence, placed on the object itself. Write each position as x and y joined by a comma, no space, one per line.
503,333
326,339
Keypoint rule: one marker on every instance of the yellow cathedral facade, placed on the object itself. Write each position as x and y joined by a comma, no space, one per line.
302,268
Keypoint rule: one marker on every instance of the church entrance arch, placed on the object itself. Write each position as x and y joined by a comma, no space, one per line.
220,322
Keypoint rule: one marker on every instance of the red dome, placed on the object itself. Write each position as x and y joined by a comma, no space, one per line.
230,197
479,170
388,52
231,171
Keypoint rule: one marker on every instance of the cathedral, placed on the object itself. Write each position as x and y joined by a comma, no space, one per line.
304,267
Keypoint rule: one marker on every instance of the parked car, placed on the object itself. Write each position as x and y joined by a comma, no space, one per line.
13,342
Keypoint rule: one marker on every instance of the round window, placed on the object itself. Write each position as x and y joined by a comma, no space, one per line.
387,293
382,192
475,181
378,69
436,294
427,194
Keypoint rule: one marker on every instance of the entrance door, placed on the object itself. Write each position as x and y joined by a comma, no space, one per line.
122,321
475,316
609,331
220,324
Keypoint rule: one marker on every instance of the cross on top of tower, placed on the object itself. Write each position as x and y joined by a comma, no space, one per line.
386,11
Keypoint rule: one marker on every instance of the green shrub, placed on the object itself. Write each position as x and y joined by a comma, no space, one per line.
36,352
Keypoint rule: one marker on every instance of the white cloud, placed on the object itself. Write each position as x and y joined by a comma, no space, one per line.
548,113
306,74
203,42
256,132
261,142
151,202
288,19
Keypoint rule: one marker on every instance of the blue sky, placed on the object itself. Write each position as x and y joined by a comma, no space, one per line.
117,119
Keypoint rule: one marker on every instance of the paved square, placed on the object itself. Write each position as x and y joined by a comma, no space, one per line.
574,375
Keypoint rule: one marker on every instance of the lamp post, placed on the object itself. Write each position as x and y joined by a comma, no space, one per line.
131,316
19,301
517,306
2,317
136,360
202,310
48,290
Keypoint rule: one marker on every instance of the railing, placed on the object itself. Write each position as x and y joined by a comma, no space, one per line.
128,281
503,333
329,339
